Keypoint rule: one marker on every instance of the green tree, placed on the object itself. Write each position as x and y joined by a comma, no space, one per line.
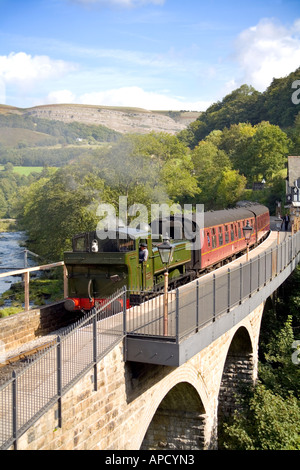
54,209
267,151
266,421
210,165
148,169
230,188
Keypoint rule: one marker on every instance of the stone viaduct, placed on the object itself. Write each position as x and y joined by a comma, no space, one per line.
156,406
143,406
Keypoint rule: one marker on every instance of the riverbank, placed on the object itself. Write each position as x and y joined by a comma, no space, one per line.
8,225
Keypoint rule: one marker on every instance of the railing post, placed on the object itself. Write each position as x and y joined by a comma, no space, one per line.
177,316
250,286
271,264
95,348
197,305
214,297
59,380
266,259
14,409
124,311
241,283
229,287
258,272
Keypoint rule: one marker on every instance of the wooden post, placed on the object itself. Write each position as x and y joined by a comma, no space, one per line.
26,289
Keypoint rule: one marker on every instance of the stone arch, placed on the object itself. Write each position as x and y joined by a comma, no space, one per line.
238,370
179,421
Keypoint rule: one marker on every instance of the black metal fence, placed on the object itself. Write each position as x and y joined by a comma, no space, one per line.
200,302
33,390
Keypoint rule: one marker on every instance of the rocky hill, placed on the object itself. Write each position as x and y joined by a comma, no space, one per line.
124,120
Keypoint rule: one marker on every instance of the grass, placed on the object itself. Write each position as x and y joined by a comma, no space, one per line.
26,170
41,292
7,311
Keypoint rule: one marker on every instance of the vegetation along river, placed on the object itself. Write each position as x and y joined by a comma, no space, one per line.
12,257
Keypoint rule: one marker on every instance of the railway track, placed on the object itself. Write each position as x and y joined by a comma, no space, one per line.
17,359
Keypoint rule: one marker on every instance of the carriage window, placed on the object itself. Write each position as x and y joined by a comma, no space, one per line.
231,232
239,230
79,243
214,238
220,236
208,239
226,234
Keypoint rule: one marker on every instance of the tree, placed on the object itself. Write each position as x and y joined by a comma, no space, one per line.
54,209
210,163
148,169
230,188
267,151
242,105
266,421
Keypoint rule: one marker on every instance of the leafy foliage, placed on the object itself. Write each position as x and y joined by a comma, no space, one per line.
245,104
267,422
269,416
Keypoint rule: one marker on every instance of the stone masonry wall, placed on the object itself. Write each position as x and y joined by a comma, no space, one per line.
21,328
118,415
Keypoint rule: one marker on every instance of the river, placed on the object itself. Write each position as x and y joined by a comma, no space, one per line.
12,257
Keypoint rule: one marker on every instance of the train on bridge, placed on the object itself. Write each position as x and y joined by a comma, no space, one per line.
97,267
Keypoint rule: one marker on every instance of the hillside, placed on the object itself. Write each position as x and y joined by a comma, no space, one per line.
245,104
123,120
14,137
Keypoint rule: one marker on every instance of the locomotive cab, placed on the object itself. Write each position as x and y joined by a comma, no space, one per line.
97,268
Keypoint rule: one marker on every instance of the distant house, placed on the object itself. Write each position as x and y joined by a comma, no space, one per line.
293,180
293,191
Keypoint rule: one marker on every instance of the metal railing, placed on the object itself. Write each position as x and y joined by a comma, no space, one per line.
35,388
25,272
193,306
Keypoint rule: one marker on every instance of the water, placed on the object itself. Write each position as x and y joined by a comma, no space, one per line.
12,257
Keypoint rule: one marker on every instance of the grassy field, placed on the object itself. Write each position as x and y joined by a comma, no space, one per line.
25,170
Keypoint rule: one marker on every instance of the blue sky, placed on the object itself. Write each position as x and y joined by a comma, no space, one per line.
153,54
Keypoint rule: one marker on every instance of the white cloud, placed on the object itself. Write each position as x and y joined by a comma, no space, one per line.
266,51
24,70
60,96
137,97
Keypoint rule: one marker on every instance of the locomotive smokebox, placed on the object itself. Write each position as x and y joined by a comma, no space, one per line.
70,305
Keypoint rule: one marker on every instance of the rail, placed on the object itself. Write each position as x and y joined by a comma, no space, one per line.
26,276
34,389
